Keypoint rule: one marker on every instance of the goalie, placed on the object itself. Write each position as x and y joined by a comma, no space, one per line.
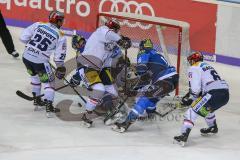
94,60
157,79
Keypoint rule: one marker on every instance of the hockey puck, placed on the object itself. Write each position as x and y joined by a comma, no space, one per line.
79,105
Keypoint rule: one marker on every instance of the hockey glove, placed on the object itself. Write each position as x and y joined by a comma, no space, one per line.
60,72
75,80
125,42
186,101
189,98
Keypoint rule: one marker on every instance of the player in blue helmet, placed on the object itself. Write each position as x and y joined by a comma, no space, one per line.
157,79
78,43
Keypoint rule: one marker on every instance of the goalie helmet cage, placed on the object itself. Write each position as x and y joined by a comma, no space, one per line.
170,38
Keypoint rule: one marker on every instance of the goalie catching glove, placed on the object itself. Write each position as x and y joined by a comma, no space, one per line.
125,42
60,72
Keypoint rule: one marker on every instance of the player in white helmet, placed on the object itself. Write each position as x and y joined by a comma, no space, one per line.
208,92
95,70
41,40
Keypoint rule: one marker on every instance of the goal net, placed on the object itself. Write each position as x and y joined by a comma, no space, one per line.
170,38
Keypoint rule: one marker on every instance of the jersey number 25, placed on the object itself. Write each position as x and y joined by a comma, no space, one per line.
42,43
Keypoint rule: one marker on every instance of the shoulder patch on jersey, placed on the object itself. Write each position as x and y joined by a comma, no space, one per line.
61,33
43,22
203,64
196,64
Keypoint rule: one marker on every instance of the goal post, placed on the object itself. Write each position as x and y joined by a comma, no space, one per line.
170,37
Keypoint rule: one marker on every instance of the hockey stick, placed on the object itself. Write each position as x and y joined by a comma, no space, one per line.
30,98
109,115
119,106
173,106
125,71
166,113
71,86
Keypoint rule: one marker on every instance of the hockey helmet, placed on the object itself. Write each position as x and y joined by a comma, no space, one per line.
78,42
113,24
55,16
195,57
146,44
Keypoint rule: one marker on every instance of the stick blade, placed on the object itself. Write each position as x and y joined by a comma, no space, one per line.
24,96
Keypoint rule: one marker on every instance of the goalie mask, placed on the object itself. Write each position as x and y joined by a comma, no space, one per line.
113,24
195,57
146,44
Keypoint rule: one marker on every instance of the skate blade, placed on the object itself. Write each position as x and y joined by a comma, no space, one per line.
181,143
113,120
86,125
117,129
38,108
50,115
109,122
208,134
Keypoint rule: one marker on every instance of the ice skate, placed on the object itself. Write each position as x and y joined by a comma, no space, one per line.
38,103
15,54
121,127
86,122
210,130
50,110
182,139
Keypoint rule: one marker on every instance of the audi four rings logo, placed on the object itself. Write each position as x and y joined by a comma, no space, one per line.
127,9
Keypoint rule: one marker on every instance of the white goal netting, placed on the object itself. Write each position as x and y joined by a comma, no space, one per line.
170,37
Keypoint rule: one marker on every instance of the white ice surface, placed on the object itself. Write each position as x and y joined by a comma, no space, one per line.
29,135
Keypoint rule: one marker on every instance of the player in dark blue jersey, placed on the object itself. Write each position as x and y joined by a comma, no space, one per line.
157,79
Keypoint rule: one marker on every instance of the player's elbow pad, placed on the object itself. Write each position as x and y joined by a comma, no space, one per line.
23,40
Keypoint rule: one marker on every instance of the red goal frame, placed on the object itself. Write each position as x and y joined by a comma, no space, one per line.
155,23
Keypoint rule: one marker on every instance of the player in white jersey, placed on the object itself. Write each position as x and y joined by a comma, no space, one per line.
208,92
94,72
43,39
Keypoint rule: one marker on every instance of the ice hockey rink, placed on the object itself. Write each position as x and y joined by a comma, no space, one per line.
29,135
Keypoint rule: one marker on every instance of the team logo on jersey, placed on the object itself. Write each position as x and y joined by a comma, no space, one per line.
128,7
